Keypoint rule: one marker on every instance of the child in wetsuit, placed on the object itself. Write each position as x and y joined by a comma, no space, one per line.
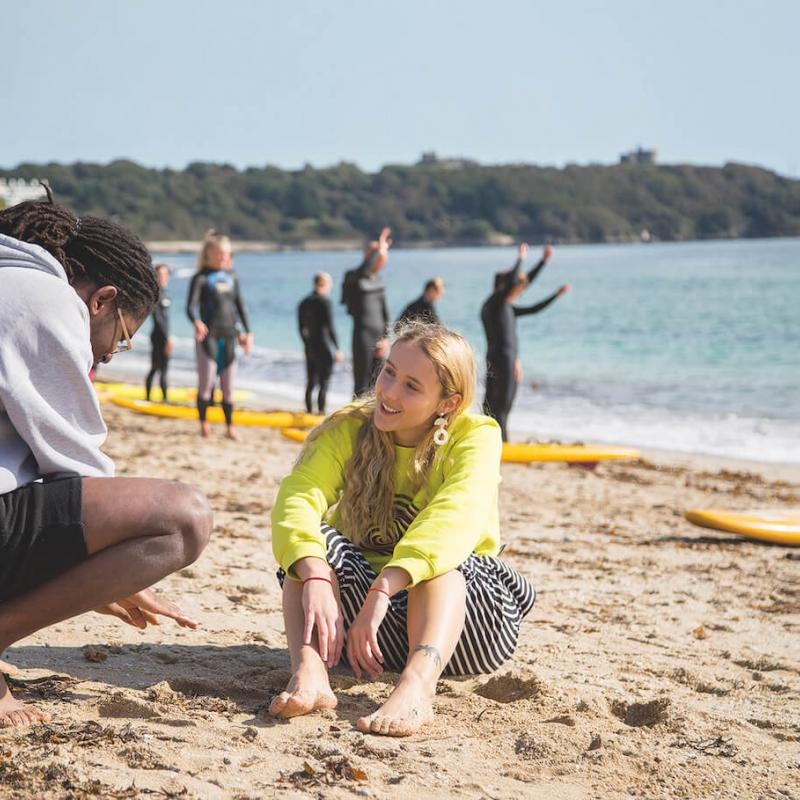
214,290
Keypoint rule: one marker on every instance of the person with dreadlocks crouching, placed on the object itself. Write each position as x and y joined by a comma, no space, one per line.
73,538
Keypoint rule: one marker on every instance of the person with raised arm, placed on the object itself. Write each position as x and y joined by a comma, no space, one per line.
499,318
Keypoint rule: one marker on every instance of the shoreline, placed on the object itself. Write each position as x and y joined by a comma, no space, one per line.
176,246
263,401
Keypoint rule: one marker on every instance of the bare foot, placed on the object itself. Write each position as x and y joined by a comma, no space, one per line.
231,433
14,714
205,429
307,691
408,708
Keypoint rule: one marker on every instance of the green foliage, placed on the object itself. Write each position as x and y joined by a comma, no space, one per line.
464,203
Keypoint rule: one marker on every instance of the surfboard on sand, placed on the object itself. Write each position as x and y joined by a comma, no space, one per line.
780,526
266,419
524,453
176,394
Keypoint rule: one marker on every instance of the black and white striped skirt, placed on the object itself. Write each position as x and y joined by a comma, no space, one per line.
498,598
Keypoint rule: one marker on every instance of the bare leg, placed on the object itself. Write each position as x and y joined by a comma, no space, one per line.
436,610
309,688
137,531
206,375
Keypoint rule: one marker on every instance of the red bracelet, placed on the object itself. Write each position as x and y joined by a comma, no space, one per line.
382,591
318,578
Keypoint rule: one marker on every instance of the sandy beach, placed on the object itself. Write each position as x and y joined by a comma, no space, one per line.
661,660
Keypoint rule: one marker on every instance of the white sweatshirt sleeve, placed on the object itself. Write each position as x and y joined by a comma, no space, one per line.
50,419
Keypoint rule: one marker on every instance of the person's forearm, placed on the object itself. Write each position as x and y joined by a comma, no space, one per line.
534,273
310,567
392,580
535,309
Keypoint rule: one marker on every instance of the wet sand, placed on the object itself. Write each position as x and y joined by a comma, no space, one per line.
661,660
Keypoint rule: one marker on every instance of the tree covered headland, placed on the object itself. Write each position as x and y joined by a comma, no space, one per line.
444,202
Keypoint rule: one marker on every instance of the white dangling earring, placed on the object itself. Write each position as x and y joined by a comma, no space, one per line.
441,436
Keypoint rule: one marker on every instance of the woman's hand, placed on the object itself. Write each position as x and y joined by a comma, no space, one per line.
200,330
246,341
384,240
363,651
323,613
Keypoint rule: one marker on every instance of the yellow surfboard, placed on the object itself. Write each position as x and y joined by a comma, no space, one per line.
571,453
266,419
176,394
770,525
523,453
294,434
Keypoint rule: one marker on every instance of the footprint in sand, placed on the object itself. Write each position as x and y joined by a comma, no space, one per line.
119,705
511,687
641,715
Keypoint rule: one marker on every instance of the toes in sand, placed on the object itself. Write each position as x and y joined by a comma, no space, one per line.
14,714
398,719
296,703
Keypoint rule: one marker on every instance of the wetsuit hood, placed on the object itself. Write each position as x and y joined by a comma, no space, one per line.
22,255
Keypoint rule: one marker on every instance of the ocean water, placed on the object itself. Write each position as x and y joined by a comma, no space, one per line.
685,346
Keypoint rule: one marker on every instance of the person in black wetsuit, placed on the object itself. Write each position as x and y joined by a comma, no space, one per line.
423,309
498,315
215,291
365,299
160,340
315,321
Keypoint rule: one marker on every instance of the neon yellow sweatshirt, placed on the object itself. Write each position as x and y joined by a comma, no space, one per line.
452,515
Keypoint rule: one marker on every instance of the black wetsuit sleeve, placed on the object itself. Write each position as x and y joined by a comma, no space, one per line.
193,296
327,322
240,306
386,320
161,320
301,321
535,309
534,273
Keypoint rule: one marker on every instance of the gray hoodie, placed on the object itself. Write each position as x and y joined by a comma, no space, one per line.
50,418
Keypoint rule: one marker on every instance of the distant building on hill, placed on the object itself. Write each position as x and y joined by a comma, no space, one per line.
16,190
430,159
638,156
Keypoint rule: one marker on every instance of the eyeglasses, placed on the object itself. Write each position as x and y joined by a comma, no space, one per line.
123,345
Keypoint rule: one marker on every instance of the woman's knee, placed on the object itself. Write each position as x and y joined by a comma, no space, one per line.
452,581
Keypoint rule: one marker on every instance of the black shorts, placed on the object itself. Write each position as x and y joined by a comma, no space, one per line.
41,533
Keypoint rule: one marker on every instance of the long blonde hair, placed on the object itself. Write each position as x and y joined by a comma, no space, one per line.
211,241
367,498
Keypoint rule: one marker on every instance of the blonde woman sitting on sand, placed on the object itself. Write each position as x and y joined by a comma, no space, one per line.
387,535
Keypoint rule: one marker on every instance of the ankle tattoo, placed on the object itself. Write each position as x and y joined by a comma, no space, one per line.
430,652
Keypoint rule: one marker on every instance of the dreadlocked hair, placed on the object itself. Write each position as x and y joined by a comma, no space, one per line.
366,503
91,250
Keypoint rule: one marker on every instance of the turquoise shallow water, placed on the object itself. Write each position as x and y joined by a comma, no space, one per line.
689,346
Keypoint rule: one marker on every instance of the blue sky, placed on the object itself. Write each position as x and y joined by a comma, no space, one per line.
254,82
